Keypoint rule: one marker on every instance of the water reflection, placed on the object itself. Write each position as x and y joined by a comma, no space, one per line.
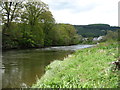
23,67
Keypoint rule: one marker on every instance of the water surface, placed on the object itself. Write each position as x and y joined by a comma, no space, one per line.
21,68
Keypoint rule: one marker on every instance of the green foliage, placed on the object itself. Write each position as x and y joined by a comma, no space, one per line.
94,30
111,36
86,68
31,24
65,34
10,36
48,24
89,40
36,27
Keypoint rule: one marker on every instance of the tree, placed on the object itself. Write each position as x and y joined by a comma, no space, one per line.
10,12
40,20
31,24
48,25
65,34
111,35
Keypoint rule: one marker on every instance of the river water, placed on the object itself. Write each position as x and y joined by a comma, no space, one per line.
21,68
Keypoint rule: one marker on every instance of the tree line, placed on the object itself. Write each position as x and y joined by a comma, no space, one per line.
31,24
95,30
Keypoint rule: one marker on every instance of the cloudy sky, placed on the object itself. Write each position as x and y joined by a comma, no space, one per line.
83,12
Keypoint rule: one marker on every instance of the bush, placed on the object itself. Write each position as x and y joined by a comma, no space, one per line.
111,35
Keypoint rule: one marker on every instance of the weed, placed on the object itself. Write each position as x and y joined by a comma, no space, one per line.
86,68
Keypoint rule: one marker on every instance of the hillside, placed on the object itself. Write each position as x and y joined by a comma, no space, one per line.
94,30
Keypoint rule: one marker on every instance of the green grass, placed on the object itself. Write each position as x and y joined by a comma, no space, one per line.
86,68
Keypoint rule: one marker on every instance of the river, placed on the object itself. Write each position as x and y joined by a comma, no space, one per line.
21,68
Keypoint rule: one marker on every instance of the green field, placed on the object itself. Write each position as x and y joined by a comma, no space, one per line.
86,68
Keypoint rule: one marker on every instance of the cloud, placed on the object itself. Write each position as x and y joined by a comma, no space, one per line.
72,5
84,11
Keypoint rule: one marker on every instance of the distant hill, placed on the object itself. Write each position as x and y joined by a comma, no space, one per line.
94,30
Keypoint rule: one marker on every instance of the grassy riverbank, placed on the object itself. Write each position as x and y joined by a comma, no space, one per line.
86,68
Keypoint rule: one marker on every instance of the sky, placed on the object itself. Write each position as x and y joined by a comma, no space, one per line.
84,12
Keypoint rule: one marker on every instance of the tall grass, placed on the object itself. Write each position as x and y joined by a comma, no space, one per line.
86,68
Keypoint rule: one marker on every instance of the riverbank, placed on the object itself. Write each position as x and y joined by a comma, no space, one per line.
26,69
86,68
63,47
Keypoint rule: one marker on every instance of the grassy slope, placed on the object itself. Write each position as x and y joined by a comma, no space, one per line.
86,68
